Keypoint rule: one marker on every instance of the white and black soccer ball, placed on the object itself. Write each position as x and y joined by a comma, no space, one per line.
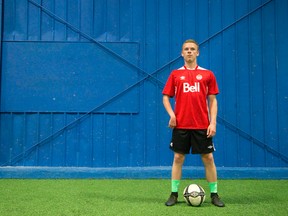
194,195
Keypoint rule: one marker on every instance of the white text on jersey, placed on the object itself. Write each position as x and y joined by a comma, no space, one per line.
192,88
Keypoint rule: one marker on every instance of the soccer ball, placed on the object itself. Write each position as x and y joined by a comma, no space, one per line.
194,195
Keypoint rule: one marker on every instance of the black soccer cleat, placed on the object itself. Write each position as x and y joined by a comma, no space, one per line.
171,201
215,199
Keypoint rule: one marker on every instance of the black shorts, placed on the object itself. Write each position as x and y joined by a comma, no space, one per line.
184,140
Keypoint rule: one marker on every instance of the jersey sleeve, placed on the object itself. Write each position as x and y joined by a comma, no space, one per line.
212,85
169,88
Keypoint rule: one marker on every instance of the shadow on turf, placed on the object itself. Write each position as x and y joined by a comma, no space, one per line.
247,199
234,199
138,199
129,198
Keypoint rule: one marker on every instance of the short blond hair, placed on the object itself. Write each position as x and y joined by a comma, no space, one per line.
191,41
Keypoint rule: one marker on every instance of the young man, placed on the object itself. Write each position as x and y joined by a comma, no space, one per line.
194,118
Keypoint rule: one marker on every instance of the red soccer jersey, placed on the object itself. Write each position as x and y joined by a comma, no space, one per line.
191,88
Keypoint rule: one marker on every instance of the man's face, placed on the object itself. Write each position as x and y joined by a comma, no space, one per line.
190,52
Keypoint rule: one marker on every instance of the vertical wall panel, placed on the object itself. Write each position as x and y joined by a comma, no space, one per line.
18,135
99,156
111,140
60,31
34,19
164,34
99,20
124,133
44,151
229,92
202,18
58,145
71,136
125,20
20,13
215,17
243,84
257,112
281,66
86,21
73,18
138,140
47,22
30,136
189,10
60,50
176,25
112,22
85,143
270,82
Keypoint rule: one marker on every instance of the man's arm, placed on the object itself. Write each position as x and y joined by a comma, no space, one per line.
168,107
213,109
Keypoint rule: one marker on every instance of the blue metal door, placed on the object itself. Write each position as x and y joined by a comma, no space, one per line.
81,80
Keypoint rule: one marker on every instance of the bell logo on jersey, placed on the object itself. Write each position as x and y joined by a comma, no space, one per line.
192,88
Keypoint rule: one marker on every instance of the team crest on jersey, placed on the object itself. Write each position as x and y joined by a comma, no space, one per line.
199,77
182,78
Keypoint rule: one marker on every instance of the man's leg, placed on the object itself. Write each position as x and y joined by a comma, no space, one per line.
211,176
175,178
210,168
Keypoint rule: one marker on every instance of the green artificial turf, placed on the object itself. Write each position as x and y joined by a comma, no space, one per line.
137,197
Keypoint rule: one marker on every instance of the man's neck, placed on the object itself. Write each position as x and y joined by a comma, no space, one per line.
191,65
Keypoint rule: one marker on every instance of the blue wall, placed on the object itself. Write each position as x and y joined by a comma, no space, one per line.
81,80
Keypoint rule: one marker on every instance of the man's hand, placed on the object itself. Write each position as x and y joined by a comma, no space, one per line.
211,130
172,122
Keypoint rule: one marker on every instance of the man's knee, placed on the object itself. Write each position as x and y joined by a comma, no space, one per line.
208,159
179,158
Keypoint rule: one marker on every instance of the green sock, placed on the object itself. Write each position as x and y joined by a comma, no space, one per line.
175,185
213,187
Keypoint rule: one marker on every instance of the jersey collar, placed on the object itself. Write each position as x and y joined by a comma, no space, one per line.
191,69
